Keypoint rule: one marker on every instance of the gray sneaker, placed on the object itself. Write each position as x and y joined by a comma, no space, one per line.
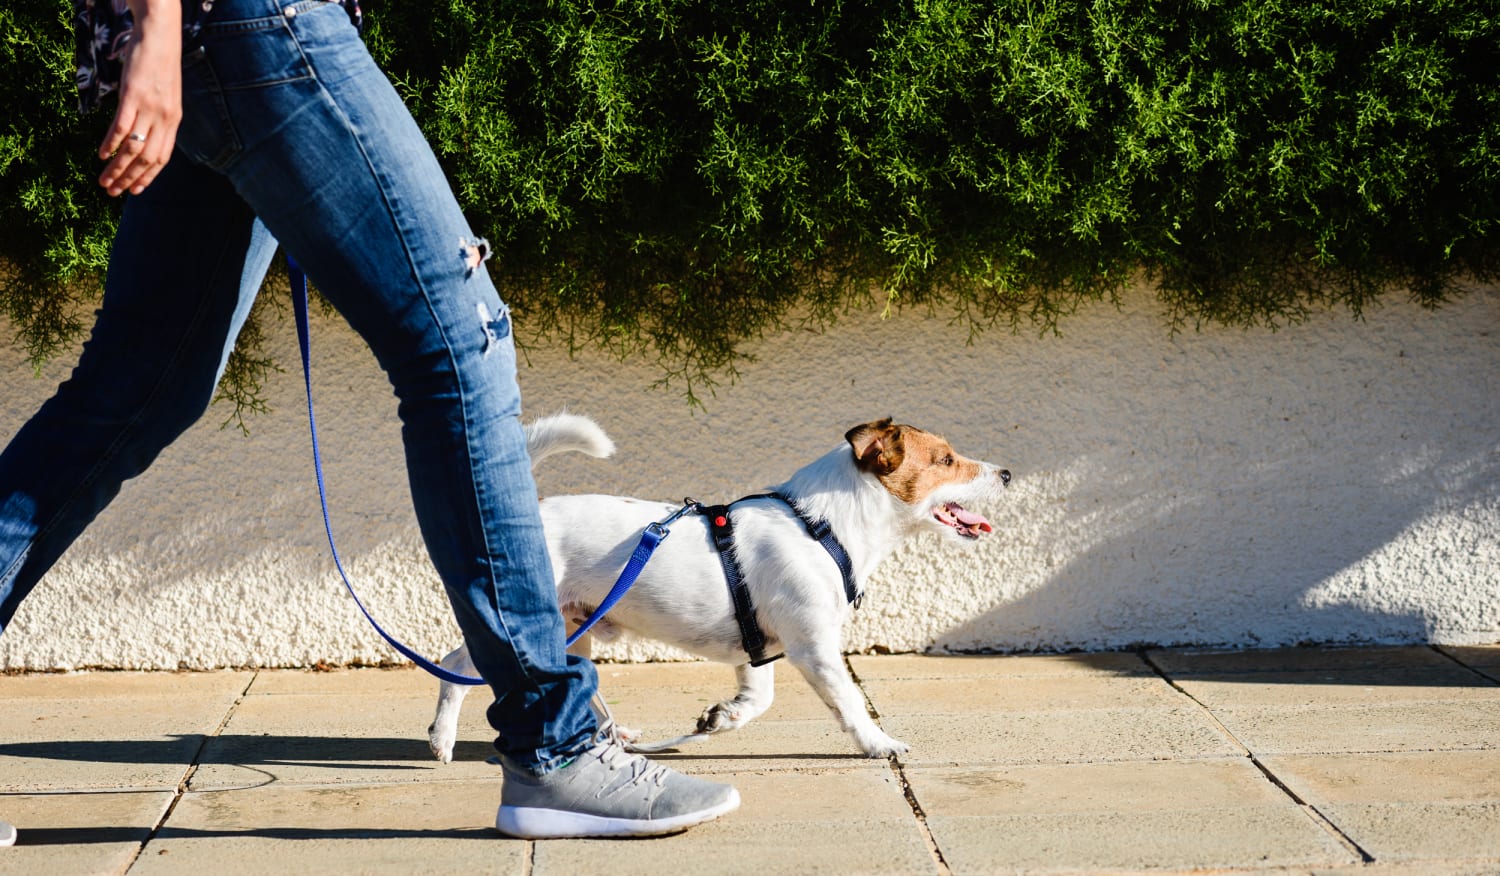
607,791
7,834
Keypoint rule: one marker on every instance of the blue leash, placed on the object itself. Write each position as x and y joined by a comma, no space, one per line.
650,538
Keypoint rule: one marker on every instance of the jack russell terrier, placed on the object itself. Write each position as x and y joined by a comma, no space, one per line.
794,593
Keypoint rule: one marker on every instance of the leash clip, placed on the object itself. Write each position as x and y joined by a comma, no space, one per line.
689,504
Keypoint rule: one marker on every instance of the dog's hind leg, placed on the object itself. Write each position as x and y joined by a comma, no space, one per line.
824,669
443,733
757,690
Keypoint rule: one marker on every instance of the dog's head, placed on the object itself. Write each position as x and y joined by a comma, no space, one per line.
928,475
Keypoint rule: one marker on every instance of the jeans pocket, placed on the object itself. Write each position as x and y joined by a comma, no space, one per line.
258,52
206,133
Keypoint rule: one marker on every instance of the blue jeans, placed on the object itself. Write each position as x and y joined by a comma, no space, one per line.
291,133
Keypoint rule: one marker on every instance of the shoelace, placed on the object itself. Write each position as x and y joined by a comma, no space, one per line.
611,752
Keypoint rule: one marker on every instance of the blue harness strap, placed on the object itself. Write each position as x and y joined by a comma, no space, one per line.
650,539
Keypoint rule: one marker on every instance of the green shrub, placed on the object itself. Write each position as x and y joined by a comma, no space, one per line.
55,224
676,177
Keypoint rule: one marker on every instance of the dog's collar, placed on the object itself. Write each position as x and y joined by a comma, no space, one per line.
752,637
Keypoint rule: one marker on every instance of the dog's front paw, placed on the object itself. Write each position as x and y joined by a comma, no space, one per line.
720,717
441,742
884,746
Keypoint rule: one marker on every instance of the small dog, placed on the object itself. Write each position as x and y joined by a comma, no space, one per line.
885,484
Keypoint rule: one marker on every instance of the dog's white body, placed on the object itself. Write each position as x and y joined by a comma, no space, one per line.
886,484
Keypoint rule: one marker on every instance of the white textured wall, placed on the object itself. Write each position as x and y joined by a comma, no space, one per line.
1335,481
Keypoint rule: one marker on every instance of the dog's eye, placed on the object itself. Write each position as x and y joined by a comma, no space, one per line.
947,460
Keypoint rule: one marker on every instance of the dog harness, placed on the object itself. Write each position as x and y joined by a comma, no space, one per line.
721,527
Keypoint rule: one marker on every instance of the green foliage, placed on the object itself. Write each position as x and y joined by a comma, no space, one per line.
676,176
54,228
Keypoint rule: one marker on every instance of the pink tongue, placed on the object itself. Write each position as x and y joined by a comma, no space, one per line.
970,519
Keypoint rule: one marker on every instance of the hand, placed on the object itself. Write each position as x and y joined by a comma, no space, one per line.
140,140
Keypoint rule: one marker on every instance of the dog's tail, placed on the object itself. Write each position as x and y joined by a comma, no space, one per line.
564,433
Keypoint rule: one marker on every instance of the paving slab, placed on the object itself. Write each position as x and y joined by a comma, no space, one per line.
765,746
1391,777
429,828
1061,736
219,686
1448,682
834,821
367,681
1180,662
1405,806
962,696
1390,726
1036,709
331,738
1412,868
1422,830
108,730
1108,663
677,693
1485,658
1195,839
78,833
1094,787
1221,813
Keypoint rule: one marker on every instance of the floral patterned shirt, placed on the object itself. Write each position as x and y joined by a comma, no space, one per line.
102,29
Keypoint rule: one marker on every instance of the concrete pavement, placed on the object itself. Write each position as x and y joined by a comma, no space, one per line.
1379,761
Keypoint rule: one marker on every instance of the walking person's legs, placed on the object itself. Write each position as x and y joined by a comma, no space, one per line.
320,145
284,102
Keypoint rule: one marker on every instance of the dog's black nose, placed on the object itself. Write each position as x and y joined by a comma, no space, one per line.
1005,476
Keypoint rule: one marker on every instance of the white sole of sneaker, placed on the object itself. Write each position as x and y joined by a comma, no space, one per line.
7,834
532,823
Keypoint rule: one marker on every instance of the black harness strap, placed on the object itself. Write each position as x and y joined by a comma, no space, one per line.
751,635
823,534
722,529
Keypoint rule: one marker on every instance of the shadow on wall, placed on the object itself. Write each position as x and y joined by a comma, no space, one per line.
1262,490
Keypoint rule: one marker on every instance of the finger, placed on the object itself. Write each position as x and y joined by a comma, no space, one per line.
137,175
161,146
125,162
126,117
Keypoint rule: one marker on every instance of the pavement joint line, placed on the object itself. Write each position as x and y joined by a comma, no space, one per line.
899,769
192,768
1479,672
1316,815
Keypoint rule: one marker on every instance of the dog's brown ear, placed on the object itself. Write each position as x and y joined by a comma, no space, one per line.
878,447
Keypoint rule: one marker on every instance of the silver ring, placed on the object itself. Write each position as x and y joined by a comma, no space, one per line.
139,138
